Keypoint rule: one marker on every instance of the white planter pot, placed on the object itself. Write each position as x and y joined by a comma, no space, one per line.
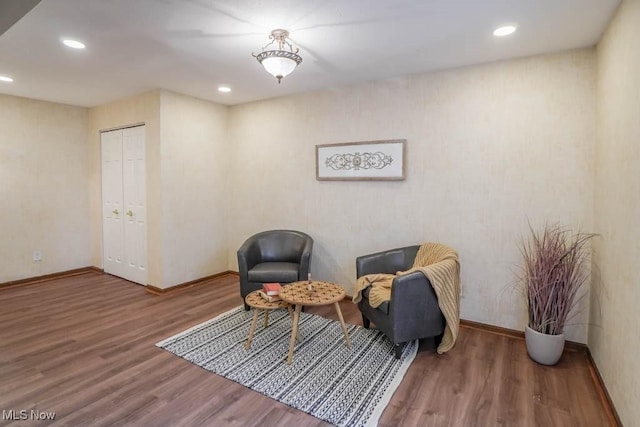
544,349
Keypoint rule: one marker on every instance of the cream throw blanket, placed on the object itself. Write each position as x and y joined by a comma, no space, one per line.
441,266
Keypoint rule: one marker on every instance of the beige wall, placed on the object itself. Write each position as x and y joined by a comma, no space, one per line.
186,191
489,148
614,340
43,188
193,136
144,108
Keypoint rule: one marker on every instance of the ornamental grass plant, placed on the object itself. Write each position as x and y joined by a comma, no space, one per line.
554,270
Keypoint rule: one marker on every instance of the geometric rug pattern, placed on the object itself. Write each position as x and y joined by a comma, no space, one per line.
345,387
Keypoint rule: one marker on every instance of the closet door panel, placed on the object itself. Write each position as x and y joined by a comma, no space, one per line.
124,203
134,197
112,209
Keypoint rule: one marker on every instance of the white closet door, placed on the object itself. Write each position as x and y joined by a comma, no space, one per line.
124,203
113,237
135,204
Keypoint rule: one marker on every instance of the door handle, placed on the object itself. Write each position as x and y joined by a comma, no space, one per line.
115,212
129,213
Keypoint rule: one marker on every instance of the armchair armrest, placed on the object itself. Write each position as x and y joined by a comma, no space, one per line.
305,260
413,304
248,256
389,262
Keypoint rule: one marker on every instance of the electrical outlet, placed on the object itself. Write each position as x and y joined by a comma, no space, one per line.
37,256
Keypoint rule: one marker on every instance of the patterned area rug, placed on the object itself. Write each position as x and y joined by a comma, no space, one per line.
327,380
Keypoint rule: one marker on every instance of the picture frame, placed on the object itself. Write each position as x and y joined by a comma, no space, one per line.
382,160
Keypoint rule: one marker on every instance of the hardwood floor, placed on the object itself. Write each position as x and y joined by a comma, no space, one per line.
83,347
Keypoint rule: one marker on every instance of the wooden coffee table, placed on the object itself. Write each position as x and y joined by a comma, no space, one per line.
258,303
323,293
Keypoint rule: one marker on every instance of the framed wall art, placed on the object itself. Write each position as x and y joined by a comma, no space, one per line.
370,160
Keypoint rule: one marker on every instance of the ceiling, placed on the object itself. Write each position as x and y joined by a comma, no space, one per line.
193,46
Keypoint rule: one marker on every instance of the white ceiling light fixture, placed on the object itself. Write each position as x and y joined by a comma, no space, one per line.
75,44
279,62
224,89
504,31
5,79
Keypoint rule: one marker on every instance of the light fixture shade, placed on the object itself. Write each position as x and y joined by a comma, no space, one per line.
279,63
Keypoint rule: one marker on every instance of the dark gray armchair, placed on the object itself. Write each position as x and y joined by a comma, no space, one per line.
282,256
413,311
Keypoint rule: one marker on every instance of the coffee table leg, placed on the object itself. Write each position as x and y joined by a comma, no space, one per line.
252,329
298,337
344,327
294,333
266,318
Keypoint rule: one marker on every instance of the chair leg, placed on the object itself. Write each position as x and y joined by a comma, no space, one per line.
246,307
399,348
365,322
438,339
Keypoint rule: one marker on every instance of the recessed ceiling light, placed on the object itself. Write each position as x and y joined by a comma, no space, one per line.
73,43
224,89
504,31
6,79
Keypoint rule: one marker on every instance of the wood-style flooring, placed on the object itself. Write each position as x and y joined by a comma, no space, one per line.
83,347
